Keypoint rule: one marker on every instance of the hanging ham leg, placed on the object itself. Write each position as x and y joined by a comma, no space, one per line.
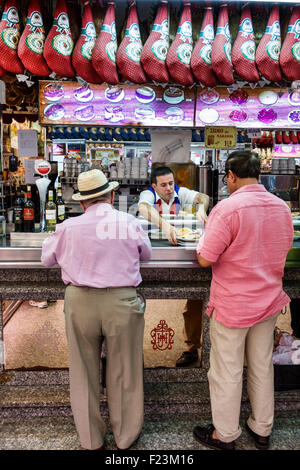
290,52
201,55
31,45
156,47
82,54
9,38
59,43
130,49
180,52
268,50
104,52
221,49
243,51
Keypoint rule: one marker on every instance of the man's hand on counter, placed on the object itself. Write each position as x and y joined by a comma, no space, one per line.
170,232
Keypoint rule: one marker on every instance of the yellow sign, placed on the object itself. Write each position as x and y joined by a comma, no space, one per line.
220,137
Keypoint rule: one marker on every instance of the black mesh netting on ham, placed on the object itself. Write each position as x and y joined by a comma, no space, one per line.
268,49
243,51
104,51
221,49
289,58
180,52
130,49
201,55
156,47
9,38
59,43
31,44
82,54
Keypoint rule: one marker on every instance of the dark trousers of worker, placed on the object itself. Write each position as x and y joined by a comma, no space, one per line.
117,315
193,321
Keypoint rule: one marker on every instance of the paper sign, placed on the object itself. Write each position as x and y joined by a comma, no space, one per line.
27,143
220,137
171,146
254,133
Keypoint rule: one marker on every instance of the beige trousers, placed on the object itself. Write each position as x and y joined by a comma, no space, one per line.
229,347
117,315
193,321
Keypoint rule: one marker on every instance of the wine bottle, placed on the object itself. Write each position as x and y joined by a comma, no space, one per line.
60,207
28,212
50,213
18,212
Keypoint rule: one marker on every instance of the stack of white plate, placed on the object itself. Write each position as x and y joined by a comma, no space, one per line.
143,168
121,169
127,162
135,168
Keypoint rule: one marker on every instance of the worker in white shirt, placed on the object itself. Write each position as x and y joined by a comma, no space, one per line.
165,197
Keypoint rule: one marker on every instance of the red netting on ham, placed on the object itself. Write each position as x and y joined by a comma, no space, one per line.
268,50
180,52
221,49
289,58
201,55
59,43
130,49
243,51
104,52
9,38
31,44
82,54
156,47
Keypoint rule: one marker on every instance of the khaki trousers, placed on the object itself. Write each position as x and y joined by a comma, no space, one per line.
229,346
117,315
193,320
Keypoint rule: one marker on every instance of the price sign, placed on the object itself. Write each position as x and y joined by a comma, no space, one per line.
254,133
27,143
220,137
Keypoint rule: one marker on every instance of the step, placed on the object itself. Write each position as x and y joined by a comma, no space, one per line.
46,393
158,433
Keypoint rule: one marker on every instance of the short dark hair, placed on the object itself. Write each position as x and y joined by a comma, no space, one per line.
159,171
243,163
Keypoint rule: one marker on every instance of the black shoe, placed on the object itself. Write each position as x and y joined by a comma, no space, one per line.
131,445
187,358
204,436
261,442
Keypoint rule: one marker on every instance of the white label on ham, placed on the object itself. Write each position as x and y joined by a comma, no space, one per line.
184,53
296,51
227,50
160,49
10,37
273,49
63,44
248,50
205,53
134,50
111,50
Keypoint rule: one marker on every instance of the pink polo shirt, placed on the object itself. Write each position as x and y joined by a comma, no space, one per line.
100,248
247,237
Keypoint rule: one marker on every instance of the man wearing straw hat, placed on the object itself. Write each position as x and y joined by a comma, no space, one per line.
99,253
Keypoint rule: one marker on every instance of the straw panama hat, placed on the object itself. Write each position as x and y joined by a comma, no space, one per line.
91,184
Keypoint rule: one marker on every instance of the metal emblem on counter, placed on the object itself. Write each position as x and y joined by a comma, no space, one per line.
162,336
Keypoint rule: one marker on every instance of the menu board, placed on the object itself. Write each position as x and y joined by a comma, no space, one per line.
122,105
248,108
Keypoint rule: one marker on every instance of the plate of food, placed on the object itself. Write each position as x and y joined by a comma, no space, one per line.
186,234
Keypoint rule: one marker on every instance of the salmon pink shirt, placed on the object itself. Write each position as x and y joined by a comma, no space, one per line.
247,238
101,248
